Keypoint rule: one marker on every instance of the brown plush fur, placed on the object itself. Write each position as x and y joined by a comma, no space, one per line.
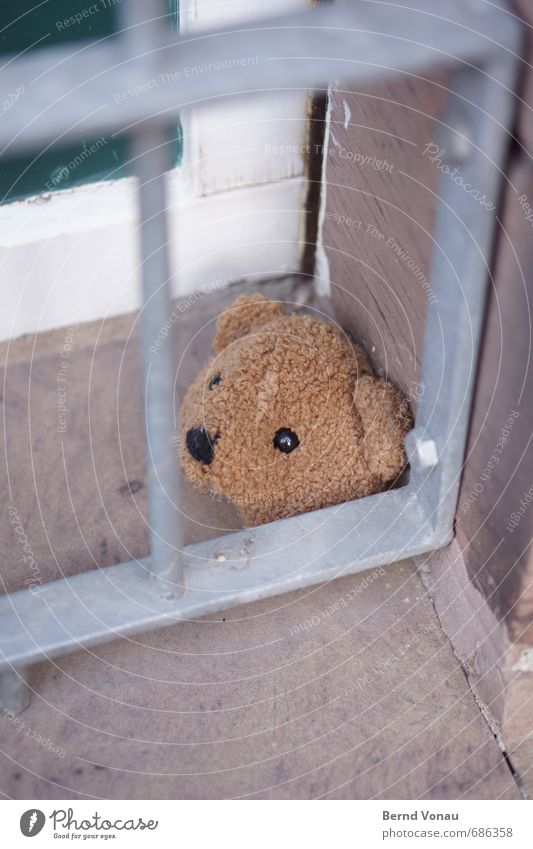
296,372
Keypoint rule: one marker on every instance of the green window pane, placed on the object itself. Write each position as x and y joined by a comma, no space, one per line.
35,24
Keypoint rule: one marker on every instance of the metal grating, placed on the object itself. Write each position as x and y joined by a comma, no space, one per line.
361,41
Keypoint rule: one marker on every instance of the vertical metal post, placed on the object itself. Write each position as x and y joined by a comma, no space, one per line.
145,30
14,692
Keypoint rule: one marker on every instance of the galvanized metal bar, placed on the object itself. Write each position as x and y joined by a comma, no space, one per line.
97,606
150,154
472,144
143,31
88,90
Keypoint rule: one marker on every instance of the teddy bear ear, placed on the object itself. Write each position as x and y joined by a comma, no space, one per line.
242,317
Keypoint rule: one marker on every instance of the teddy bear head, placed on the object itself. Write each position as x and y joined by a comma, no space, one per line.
287,416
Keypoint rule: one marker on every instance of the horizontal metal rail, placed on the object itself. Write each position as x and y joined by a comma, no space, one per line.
100,605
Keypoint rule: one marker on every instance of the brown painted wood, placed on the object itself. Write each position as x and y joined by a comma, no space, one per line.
379,215
494,519
348,690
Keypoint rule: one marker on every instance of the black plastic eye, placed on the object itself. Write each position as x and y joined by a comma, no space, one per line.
215,380
286,440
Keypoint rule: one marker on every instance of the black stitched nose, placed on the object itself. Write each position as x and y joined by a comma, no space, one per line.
200,445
